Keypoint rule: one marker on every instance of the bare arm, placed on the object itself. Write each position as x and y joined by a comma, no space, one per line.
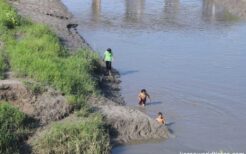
139,97
148,96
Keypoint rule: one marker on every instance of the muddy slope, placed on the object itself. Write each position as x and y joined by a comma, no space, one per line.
45,105
126,124
56,16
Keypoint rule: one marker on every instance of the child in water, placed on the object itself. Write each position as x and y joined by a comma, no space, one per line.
143,97
160,118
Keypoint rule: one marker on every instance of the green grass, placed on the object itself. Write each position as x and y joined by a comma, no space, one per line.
39,55
84,136
2,65
8,16
33,51
13,128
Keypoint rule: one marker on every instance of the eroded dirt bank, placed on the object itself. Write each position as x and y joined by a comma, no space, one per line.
44,104
126,124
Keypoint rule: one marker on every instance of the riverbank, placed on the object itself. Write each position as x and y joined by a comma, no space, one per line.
125,124
44,81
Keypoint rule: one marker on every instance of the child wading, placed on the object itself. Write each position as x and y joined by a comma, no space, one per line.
108,57
160,118
143,97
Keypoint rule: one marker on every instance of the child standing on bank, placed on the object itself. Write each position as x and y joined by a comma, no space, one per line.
108,57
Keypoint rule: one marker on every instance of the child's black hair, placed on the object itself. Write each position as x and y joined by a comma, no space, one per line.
143,90
109,50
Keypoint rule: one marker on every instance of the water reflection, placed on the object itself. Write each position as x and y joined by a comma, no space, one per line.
213,12
96,9
156,15
134,10
171,9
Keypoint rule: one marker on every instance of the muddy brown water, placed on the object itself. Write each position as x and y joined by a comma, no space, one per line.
191,57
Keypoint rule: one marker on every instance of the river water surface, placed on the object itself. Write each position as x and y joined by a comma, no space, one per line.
191,57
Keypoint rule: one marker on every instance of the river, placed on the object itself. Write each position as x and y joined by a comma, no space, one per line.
190,55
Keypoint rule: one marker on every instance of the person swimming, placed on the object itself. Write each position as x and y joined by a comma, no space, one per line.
160,118
142,97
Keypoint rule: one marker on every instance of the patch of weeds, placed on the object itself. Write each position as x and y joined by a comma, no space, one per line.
85,136
34,87
8,16
4,65
14,128
85,111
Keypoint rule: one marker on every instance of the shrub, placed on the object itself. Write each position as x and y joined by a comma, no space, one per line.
8,16
85,136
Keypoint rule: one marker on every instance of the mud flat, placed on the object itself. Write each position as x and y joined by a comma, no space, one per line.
126,124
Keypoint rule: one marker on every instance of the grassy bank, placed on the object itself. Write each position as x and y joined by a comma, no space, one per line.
33,51
83,135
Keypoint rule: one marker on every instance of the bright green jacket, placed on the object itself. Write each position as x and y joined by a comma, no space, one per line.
108,56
